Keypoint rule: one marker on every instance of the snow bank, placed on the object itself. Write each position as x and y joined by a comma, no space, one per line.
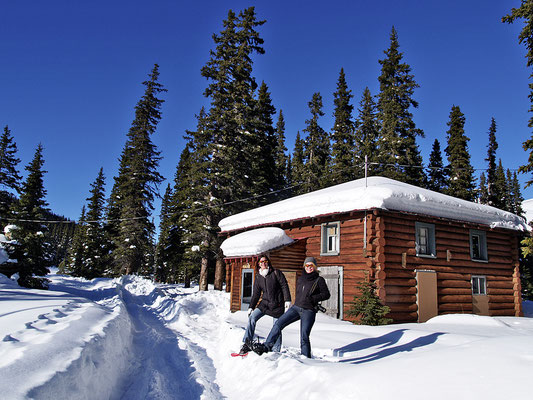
254,242
375,192
129,338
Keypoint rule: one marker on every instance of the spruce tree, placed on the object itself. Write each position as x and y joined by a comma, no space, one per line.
368,306
163,255
29,246
342,134
75,262
9,175
500,189
231,123
97,245
281,160
483,194
514,196
297,165
436,173
398,151
262,160
525,12
461,174
492,192
193,215
315,174
366,136
136,186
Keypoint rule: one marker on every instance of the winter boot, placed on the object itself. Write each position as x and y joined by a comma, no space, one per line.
260,348
246,347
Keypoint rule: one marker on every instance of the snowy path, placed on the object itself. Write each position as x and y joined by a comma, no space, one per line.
113,343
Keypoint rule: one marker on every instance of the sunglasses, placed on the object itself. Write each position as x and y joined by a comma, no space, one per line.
309,265
263,262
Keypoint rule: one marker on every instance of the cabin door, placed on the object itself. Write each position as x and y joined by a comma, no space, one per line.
247,281
426,294
334,279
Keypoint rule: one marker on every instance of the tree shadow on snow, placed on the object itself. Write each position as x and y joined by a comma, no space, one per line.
389,351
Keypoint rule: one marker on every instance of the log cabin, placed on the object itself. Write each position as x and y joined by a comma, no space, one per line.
427,253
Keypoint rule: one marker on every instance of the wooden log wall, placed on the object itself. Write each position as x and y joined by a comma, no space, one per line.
453,265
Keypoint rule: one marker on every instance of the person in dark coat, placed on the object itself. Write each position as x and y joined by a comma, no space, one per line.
310,290
271,286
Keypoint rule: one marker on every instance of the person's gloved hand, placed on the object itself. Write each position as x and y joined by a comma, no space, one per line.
249,311
287,305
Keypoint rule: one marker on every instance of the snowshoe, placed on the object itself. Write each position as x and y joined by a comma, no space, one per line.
245,349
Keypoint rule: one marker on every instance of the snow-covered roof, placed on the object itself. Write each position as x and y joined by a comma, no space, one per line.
255,242
374,192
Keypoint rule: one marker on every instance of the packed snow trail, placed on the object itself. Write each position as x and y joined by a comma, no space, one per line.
135,355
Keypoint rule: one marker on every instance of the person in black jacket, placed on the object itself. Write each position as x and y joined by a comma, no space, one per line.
310,290
275,300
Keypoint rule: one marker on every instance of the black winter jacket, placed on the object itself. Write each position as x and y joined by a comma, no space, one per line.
304,297
275,291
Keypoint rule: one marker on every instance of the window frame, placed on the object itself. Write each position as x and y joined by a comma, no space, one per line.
480,288
324,238
483,250
431,243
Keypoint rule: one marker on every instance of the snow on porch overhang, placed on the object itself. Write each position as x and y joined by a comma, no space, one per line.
255,242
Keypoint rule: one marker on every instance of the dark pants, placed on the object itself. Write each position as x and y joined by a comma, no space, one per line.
293,314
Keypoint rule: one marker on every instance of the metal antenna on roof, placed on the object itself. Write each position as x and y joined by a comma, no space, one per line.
366,170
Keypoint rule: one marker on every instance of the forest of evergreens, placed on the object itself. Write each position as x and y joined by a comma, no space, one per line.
237,158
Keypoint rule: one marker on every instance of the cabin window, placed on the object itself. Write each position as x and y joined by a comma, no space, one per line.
425,240
330,238
478,245
479,285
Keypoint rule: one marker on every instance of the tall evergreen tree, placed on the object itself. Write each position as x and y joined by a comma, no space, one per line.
281,160
500,188
97,245
75,262
491,170
263,150
136,186
483,194
525,12
461,174
9,175
29,247
436,173
230,124
514,196
297,165
194,217
398,150
366,136
315,174
163,255
342,134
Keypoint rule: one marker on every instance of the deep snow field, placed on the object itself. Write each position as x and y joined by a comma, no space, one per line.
128,338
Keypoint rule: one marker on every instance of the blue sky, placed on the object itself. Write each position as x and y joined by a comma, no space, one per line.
71,73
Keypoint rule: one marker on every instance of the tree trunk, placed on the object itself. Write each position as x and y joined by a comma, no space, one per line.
203,274
219,273
187,279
